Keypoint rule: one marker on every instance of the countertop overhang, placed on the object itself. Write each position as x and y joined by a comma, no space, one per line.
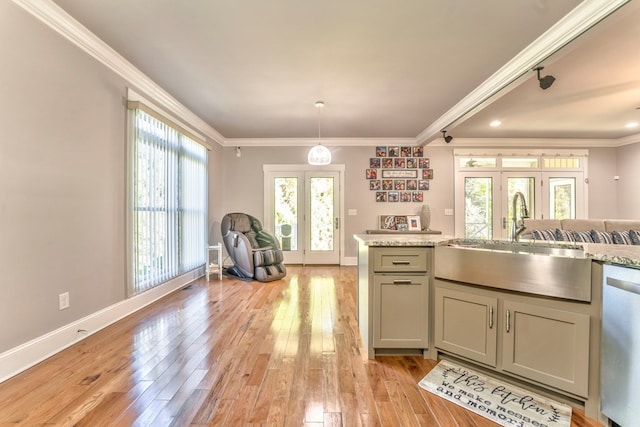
624,255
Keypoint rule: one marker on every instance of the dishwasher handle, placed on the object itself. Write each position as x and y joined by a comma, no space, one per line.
624,285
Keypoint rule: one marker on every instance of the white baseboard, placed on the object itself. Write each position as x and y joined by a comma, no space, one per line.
20,358
351,260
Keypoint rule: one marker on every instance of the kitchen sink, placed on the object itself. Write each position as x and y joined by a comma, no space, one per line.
524,248
551,270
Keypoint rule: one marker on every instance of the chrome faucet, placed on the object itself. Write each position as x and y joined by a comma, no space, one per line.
516,229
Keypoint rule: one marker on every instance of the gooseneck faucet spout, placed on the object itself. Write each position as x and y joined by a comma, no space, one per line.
516,229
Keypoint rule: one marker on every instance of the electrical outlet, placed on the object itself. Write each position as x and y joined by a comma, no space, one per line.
352,212
63,301
448,212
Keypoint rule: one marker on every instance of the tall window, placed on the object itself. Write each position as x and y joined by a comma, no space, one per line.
168,198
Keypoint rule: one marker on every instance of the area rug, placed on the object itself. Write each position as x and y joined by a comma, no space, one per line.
500,402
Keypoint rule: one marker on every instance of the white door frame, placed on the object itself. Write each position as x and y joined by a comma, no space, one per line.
268,202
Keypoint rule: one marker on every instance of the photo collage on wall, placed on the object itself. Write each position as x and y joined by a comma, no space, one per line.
399,174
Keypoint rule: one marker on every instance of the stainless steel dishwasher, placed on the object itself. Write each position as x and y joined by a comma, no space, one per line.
620,351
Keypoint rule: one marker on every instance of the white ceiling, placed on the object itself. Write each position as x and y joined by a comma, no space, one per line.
254,68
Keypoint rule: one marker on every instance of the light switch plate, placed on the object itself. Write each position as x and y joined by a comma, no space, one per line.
448,212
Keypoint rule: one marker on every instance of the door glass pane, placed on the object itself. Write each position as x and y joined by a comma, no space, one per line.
477,162
478,208
524,162
562,198
562,163
526,186
286,212
321,214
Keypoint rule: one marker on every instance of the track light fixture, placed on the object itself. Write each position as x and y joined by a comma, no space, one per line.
447,138
546,81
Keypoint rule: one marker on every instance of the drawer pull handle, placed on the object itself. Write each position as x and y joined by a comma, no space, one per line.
402,282
490,317
508,321
401,262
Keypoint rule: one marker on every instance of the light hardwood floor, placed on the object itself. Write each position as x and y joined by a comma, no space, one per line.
235,353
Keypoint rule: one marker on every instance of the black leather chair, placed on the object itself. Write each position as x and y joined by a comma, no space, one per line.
255,252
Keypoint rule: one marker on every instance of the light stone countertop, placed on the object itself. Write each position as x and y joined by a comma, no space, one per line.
429,240
624,255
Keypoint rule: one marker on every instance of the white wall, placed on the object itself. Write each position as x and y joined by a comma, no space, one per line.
629,184
603,197
243,186
62,181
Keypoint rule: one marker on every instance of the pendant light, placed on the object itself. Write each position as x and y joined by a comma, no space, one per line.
319,154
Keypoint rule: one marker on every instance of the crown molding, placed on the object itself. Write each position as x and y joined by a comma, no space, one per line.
576,22
329,142
60,21
531,142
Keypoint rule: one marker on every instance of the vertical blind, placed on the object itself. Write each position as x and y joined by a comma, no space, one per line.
168,202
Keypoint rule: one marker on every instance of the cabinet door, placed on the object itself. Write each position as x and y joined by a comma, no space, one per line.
465,324
546,345
400,311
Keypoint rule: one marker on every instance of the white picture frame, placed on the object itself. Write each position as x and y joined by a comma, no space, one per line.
413,222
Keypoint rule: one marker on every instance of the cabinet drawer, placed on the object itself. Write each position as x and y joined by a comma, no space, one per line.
399,259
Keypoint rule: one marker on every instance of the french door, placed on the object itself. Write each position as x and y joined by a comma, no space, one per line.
302,207
486,199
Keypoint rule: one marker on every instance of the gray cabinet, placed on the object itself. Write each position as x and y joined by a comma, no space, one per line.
400,311
393,298
546,345
514,334
465,324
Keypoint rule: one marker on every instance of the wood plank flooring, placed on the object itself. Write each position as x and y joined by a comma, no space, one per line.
234,353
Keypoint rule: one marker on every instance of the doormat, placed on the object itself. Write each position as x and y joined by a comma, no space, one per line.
500,402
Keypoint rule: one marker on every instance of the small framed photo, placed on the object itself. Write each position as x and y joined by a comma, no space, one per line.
388,222
399,163
412,184
381,151
372,174
418,151
427,174
417,196
399,184
393,151
374,184
393,196
401,223
412,163
406,151
387,163
381,196
413,221
423,184
423,163
387,184
405,196
374,163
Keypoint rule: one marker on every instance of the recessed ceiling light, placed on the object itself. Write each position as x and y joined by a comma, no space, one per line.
495,123
631,125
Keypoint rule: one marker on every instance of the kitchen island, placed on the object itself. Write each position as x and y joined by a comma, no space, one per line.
444,297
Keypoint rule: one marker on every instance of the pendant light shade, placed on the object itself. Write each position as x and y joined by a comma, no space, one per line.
319,154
